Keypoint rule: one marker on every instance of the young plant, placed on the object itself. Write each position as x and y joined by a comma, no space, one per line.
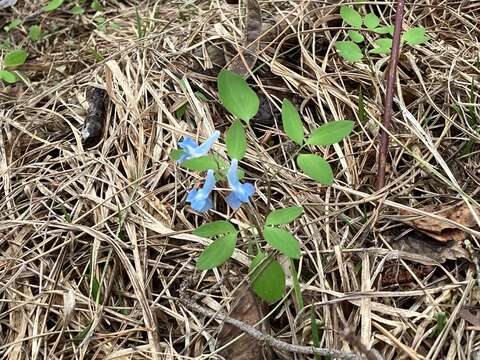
351,51
12,59
266,275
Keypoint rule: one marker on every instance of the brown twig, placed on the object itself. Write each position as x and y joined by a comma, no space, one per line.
260,336
387,115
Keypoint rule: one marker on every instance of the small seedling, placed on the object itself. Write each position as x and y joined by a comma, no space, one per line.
12,25
370,23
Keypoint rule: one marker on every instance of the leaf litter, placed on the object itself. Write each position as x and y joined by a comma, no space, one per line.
59,205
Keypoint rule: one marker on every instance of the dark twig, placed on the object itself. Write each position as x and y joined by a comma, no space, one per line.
260,336
387,115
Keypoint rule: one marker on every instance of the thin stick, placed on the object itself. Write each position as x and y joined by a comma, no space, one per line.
387,115
260,336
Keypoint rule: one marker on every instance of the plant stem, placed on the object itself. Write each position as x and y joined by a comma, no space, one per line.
387,115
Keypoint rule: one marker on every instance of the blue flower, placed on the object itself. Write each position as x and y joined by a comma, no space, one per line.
240,192
200,199
193,150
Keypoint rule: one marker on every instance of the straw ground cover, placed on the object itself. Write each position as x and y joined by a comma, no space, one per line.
97,251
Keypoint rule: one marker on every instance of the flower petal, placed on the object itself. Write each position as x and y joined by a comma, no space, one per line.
187,143
202,205
200,199
205,147
232,175
246,190
233,201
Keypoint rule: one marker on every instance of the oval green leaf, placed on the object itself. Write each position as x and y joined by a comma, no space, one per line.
349,51
77,10
384,46
52,5
316,167
292,124
284,216
371,21
415,36
15,58
236,141
384,30
384,43
8,76
217,252
351,16
283,241
35,33
268,279
355,36
201,163
214,228
237,97
331,133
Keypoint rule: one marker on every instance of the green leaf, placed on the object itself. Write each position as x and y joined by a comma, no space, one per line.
15,58
284,216
316,167
96,291
292,124
114,26
52,5
96,6
351,16
296,285
35,33
236,141
82,334
283,241
217,252
349,51
138,25
237,97
214,228
415,36
77,10
441,322
202,163
13,25
180,112
355,36
268,280
384,30
384,43
384,46
371,21
331,133
8,76
176,154
98,56
315,332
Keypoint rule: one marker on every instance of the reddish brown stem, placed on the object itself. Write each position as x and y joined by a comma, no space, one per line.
387,115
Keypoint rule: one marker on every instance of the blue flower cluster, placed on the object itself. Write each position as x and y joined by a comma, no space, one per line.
201,199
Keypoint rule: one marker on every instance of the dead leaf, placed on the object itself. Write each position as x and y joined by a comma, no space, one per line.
247,309
420,244
472,318
439,230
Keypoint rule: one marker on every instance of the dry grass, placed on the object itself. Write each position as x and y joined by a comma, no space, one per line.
95,243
